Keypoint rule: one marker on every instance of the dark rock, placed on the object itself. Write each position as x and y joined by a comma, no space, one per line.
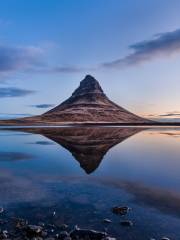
1,210
127,223
3,234
63,227
44,234
109,238
20,223
86,233
41,224
106,220
67,238
62,235
120,210
37,238
33,230
165,238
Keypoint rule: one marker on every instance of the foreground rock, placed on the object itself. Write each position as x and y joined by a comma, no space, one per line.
78,233
120,210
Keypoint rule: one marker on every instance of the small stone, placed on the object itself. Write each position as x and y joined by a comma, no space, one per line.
1,209
78,233
41,224
127,223
63,234
3,234
109,238
63,227
106,220
33,229
37,238
44,234
20,223
120,210
165,238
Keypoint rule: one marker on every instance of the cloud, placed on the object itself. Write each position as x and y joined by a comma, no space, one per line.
173,116
170,114
14,156
14,92
30,59
44,105
14,115
45,143
162,45
20,58
66,69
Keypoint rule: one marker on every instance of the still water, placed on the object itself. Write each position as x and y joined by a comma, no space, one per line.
81,173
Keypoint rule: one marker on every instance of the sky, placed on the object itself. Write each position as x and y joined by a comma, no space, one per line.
132,47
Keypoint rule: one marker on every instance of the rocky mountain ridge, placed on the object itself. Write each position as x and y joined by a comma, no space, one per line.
87,104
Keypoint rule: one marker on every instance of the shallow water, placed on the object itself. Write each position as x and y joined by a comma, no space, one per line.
81,173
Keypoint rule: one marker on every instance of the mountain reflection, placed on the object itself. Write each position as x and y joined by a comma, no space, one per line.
88,145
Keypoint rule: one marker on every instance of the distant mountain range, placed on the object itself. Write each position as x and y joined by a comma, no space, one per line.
87,104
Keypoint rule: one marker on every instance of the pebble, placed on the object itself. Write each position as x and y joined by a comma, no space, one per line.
120,210
63,226
109,238
106,220
1,209
86,233
63,234
33,229
3,234
126,223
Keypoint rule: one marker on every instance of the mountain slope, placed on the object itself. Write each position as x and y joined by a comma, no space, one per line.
87,104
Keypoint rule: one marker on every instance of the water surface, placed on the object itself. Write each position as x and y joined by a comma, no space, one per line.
81,173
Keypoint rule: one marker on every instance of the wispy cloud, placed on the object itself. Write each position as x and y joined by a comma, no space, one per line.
173,116
44,105
20,58
14,92
34,59
65,69
31,59
45,143
161,45
14,156
14,115
170,114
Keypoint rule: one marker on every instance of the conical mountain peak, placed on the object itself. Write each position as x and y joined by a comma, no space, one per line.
87,104
88,85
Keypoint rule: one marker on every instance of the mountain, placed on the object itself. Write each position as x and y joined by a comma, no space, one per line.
87,104
88,145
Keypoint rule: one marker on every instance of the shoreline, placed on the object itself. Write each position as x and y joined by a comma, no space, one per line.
53,125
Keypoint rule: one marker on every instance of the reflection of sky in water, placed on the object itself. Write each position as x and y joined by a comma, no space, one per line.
150,159
142,171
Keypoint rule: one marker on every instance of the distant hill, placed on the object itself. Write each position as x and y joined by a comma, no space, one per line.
87,104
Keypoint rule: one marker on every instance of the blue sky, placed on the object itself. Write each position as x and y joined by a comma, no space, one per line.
132,47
